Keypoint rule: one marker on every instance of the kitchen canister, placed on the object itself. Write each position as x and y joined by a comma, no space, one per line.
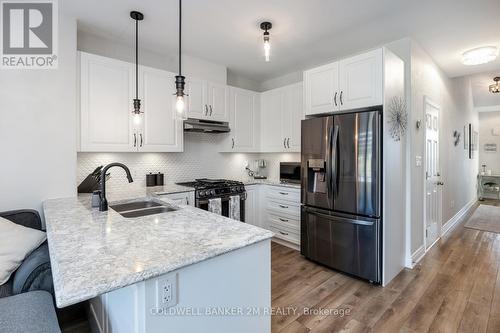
159,179
150,179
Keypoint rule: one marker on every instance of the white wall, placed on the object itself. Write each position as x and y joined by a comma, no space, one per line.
191,66
489,122
458,172
38,126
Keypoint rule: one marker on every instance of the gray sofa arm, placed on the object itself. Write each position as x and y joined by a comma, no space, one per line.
25,217
34,273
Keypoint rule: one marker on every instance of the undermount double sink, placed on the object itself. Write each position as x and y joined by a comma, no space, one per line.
141,208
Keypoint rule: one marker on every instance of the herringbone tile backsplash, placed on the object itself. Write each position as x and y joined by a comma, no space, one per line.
200,159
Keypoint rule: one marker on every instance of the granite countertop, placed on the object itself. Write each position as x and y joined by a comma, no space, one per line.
94,252
270,182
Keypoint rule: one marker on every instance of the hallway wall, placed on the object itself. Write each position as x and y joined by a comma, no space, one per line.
489,132
458,171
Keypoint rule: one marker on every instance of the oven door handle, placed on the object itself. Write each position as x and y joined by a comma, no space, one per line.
243,196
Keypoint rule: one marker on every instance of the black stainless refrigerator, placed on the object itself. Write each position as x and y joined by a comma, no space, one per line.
341,192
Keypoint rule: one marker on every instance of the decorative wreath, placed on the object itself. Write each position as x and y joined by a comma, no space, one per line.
398,118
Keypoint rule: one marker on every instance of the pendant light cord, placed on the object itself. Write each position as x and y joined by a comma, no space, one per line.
136,59
180,35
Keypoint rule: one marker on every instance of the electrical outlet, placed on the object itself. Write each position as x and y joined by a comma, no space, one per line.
166,290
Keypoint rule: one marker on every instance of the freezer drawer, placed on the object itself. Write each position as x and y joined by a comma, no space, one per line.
348,244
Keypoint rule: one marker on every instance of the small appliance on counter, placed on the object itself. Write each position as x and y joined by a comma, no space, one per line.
154,179
259,166
290,172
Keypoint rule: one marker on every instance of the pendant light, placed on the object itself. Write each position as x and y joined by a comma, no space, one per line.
137,16
495,88
180,105
266,26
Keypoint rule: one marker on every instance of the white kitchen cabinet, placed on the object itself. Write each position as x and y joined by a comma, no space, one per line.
218,102
282,212
161,130
361,80
207,100
351,83
181,198
252,205
244,112
281,115
106,93
321,87
106,104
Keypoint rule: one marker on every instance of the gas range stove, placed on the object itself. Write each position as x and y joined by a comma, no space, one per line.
214,188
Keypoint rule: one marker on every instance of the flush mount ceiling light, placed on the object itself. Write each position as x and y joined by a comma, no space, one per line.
495,88
266,26
180,105
137,16
480,55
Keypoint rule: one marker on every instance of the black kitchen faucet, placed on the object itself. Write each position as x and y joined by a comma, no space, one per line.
103,203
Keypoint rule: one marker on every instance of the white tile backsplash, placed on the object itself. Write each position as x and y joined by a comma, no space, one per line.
200,159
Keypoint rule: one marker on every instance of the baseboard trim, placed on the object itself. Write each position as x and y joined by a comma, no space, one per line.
457,218
417,256
285,243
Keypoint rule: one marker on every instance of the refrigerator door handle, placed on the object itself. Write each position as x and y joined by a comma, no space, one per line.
329,163
339,218
333,162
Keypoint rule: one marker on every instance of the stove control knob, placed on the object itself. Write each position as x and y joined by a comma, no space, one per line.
202,193
212,192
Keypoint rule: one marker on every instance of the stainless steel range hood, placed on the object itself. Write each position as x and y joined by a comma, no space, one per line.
206,126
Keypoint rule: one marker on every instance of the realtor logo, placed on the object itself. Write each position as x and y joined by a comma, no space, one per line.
29,34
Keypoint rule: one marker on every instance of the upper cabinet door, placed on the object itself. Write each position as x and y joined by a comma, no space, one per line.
361,80
295,114
244,121
196,100
321,91
161,129
107,87
218,100
272,135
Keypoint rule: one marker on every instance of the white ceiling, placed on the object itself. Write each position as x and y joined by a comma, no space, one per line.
305,32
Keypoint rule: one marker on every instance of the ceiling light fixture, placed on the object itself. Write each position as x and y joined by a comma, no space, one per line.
480,55
495,88
137,16
180,105
266,26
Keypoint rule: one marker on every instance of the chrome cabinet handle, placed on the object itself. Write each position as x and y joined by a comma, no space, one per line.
283,193
341,101
140,135
335,98
288,143
206,110
284,143
211,110
284,233
282,219
283,206
135,140
232,145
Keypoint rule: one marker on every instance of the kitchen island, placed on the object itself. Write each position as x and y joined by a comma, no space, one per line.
186,270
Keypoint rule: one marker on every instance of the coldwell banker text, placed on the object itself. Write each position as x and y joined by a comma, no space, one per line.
29,34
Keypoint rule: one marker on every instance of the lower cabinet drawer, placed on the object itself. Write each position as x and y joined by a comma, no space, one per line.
283,193
281,208
285,234
284,222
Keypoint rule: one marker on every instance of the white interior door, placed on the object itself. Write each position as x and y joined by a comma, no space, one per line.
432,174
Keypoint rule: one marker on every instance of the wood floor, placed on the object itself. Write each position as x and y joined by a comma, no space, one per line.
455,288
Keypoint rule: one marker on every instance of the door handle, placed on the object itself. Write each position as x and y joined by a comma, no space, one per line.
335,99
341,101
206,110
140,135
135,140
284,143
329,163
334,159
288,143
232,145
211,110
